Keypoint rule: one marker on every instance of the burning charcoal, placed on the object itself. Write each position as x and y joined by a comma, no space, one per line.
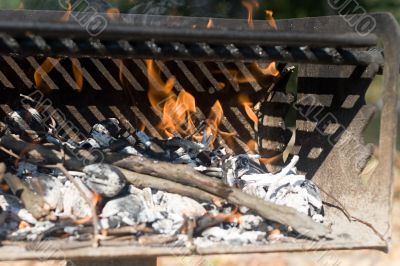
104,179
150,147
184,206
169,225
252,222
126,208
25,168
106,131
11,205
89,144
237,166
233,235
73,203
286,188
129,150
34,233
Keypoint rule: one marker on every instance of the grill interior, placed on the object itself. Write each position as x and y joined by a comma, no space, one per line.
334,68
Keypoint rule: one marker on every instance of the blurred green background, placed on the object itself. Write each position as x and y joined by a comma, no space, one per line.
231,9
216,8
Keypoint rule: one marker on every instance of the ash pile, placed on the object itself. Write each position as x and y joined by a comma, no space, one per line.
117,185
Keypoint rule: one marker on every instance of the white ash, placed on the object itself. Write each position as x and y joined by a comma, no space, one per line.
178,204
11,206
237,166
104,179
125,209
74,205
234,236
89,143
286,188
129,150
49,187
26,168
32,233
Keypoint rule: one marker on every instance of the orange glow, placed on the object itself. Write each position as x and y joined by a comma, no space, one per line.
96,198
177,115
248,107
22,225
77,72
45,67
250,5
269,70
113,13
176,110
159,91
232,217
271,159
270,19
252,145
4,187
210,24
67,13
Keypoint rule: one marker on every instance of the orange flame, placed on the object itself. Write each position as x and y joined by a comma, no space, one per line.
269,70
159,90
270,19
77,71
250,5
176,113
96,198
210,23
247,105
67,13
113,13
45,67
176,110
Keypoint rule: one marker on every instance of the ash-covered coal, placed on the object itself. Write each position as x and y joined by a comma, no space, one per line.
124,209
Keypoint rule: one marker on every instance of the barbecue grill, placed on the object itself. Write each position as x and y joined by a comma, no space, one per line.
335,67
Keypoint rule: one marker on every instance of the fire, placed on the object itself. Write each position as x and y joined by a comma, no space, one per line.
269,70
113,13
67,13
247,105
270,19
177,115
176,110
250,5
45,68
77,72
96,198
210,23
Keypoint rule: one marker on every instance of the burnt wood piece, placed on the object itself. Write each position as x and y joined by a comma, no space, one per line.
143,181
186,175
33,202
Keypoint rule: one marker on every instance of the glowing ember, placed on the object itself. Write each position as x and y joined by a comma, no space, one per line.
96,198
23,225
270,19
210,24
